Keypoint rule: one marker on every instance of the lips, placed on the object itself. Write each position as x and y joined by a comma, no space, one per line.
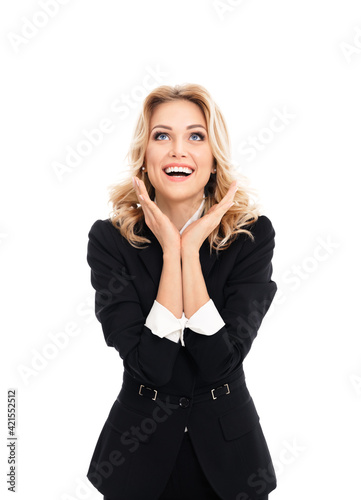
177,178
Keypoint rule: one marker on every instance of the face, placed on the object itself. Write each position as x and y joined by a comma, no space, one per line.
178,135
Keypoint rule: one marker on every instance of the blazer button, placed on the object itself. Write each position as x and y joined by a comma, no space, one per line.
184,402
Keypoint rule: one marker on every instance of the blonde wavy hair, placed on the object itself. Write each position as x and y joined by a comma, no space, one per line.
128,217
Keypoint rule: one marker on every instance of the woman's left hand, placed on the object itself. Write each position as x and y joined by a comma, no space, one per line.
194,234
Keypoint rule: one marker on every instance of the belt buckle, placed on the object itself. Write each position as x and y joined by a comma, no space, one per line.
140,391
224,385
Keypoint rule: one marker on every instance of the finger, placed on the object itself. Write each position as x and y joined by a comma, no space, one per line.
135,181
149,207
228,198
231,191
140,190
137,191
143,193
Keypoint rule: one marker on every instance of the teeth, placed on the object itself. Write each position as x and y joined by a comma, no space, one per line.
186,170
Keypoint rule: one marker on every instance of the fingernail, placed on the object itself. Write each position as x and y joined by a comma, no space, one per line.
140,196
137,180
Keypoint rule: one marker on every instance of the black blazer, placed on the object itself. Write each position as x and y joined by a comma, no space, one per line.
167,386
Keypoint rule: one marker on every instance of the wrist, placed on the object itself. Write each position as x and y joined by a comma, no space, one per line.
171,253
189,252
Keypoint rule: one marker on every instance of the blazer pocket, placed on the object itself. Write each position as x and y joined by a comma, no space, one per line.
239,420
131,425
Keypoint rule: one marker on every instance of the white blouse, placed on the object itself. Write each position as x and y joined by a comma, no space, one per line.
206,320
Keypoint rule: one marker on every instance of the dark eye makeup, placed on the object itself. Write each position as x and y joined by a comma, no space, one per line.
200,134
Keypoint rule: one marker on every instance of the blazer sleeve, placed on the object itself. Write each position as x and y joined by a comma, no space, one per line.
146,356
248,293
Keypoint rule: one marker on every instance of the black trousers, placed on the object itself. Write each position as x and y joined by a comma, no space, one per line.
187,480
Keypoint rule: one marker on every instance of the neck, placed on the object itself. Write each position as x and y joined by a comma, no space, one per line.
179,212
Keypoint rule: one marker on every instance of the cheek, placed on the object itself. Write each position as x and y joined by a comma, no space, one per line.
154,157
149,153
204,158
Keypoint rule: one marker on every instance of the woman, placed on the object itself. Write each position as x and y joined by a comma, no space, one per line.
182,312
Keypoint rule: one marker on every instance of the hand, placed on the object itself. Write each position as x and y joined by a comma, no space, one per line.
194,234
161,226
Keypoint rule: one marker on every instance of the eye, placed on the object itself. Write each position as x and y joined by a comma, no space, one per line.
159,134
199,134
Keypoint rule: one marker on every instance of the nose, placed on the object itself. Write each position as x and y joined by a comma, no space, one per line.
178,148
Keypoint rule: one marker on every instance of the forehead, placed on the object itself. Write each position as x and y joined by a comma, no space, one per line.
177,113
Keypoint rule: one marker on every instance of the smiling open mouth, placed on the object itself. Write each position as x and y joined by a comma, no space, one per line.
181,173
178,174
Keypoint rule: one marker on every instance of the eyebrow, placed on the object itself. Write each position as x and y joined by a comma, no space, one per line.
170,128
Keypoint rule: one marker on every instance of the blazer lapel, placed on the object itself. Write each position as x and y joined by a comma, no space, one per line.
152,257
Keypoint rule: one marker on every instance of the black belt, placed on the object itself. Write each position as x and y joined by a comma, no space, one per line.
211,394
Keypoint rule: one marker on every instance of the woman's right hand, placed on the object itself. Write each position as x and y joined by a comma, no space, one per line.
160,225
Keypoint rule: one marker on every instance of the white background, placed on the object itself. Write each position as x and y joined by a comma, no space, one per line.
62,75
